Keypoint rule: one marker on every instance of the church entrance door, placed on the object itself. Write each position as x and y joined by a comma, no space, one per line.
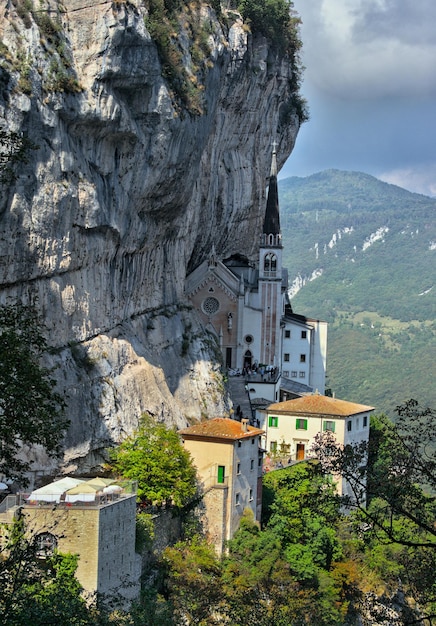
248,359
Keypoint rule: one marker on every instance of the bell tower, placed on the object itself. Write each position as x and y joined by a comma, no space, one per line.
270,273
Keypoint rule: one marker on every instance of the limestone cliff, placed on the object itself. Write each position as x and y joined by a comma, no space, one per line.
130,185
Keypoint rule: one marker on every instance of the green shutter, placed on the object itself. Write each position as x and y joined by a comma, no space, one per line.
301,424
221,473
329,425
273,421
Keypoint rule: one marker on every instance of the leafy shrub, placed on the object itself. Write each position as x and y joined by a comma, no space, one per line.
273,19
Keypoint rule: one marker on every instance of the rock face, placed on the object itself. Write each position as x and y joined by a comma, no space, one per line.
125,194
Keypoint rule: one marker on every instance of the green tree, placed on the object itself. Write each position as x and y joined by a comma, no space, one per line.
156,458
394,474
264,588
31,411
304,512
275,20
393,503
35,591
193,582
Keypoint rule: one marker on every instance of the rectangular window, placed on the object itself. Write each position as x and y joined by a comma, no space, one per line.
273,421
365,421
239,443
221,473
302,358
285,373
253,441
273,446
286,357
252,464
287,334
251,495
259,461
238,468
303,334
329,425
294,374
237,499
301,424
349,426
302,374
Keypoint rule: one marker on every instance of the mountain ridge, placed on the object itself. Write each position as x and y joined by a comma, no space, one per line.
360,253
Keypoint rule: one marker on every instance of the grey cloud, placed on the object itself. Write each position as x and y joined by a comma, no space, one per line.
370,48
408,21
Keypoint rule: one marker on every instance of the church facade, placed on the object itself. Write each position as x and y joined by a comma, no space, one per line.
245,305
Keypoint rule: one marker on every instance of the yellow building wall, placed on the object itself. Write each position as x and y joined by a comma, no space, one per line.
103,538
225,503
77,532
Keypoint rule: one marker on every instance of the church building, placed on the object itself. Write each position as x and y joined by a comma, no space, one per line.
245,304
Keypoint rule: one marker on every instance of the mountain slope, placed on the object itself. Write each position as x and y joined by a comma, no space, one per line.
360,254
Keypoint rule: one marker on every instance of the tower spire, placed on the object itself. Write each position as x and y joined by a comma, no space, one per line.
271,222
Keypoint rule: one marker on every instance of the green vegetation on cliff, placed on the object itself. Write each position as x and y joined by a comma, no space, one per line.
181,33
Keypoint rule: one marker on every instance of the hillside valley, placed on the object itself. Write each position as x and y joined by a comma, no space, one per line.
360,254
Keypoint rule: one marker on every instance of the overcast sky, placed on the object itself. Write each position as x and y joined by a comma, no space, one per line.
370,82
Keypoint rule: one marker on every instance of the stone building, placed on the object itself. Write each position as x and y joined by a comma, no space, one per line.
93,519
246,306
228,457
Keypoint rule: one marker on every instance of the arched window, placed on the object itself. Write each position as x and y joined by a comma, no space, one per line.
270,264
46,544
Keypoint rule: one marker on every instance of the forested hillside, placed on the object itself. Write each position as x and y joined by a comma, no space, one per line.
361,254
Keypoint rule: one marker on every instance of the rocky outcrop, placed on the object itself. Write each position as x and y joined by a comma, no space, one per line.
126,193
386,609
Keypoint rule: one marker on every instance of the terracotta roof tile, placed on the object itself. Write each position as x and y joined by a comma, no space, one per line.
319,405
221,428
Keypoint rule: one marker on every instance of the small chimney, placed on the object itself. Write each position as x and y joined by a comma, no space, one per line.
244,425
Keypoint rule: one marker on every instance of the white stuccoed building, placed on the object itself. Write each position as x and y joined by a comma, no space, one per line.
245,304
291,426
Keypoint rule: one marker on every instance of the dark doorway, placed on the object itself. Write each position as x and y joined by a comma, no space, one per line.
228,357
248,359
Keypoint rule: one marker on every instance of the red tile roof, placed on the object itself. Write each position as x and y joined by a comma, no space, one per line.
319,405
221,428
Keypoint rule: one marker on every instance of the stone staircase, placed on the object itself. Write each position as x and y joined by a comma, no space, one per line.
239,396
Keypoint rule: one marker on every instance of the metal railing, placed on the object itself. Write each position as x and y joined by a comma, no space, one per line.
8,503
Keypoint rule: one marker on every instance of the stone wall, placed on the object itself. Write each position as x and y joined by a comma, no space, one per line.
103,537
